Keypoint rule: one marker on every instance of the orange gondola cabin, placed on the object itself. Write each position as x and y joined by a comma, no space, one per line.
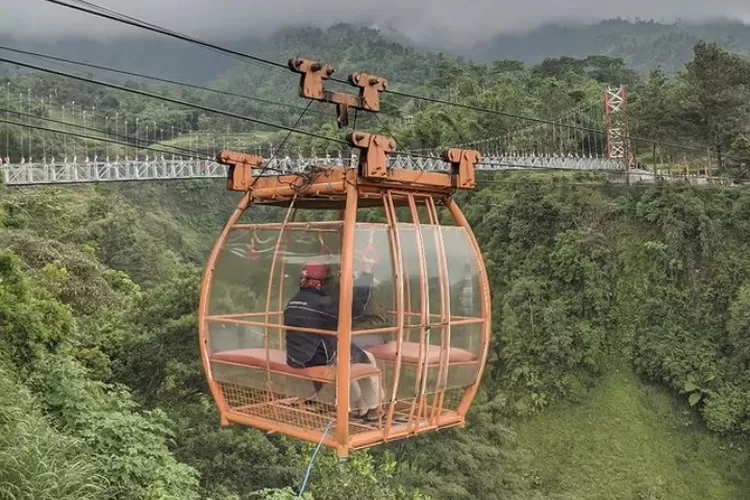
426,323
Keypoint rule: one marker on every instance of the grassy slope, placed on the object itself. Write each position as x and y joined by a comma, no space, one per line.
633,441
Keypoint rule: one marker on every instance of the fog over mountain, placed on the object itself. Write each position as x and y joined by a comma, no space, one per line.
483,30
446,24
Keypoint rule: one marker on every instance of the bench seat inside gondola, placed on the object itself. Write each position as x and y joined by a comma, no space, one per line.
276,363
410,354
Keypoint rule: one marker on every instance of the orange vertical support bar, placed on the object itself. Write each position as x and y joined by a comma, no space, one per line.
269,293
445,313
346,292
485,305
280,304
282,272
420,381
398,274
204,300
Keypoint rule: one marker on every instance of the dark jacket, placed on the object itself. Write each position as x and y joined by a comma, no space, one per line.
311,308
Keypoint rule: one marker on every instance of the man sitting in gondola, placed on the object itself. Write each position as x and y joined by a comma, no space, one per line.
312,307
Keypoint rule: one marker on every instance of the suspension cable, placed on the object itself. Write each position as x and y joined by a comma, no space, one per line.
94,138
273,153
136,140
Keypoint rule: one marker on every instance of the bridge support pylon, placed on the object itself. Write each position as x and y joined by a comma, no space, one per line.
616,118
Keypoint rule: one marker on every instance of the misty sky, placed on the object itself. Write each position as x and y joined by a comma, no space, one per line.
455,22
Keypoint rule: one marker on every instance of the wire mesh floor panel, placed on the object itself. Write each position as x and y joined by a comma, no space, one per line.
311,415
285,409
453,398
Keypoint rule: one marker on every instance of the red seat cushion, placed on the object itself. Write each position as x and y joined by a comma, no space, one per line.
256,358
410,353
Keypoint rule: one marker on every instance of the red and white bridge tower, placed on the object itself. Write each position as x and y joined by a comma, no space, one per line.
616,114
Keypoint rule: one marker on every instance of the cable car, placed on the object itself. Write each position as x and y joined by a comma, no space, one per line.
424,325
362,314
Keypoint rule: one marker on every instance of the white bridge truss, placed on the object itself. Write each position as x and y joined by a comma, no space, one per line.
22,174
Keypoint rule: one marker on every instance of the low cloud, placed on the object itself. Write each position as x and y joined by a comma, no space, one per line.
447,22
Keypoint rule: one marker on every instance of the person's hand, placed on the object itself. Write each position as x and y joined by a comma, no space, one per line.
368,258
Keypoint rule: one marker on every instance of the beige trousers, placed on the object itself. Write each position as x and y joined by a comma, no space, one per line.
366,394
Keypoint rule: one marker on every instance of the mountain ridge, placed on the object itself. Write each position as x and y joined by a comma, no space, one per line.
643,45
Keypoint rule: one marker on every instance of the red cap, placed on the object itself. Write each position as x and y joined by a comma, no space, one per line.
314,271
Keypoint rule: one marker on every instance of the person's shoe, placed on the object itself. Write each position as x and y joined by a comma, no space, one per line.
371,415
400,418
357,415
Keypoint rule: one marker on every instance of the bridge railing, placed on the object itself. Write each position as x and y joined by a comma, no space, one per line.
15,174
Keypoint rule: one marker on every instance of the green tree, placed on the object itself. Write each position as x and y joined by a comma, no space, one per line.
716,100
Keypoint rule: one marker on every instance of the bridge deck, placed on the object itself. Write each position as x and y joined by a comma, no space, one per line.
20,174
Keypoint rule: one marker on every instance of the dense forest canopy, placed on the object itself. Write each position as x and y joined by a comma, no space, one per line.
621,331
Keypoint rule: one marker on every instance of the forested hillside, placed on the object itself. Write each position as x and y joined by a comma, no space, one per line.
643,45
344,45
621,334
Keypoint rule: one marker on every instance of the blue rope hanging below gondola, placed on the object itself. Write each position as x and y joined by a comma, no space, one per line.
312,460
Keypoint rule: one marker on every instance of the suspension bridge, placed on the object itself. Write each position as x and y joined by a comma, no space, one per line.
570,142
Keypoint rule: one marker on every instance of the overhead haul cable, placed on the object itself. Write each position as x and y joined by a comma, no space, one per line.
132,21
154,78
110,14
113,15
173,101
